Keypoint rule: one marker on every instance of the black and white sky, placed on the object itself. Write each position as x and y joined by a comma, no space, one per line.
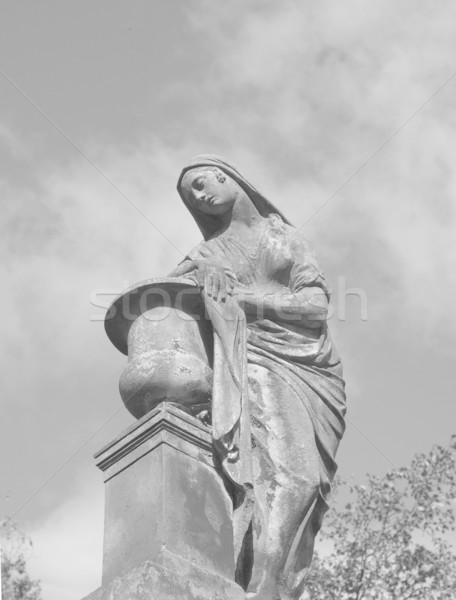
349,106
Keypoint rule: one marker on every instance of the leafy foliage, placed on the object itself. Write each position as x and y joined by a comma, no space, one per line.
16,583
390,538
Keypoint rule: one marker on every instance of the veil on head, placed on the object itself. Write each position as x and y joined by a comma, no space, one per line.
209,224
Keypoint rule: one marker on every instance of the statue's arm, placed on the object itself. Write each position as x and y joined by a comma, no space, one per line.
182,268
308,306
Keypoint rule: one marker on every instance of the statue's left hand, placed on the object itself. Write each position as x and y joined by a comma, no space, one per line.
210,276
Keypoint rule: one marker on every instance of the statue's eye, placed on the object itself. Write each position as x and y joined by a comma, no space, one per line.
198,183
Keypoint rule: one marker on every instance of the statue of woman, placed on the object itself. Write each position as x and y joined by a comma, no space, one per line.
278,395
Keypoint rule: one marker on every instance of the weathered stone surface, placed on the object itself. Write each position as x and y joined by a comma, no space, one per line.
273,380
165,505
160,323
155,582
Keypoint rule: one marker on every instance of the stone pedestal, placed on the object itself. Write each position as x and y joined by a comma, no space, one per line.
168,517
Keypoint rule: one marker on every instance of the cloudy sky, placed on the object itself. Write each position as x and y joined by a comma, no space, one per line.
348,106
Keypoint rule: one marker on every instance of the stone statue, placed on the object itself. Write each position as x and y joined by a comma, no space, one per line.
246,348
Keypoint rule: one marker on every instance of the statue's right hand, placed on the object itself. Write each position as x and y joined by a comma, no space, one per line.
209,276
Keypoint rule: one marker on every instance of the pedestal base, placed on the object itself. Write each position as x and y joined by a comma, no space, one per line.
168,518
155,582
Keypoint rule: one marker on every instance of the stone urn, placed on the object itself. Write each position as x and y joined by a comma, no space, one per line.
161,325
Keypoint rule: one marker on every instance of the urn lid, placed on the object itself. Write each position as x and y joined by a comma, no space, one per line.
172,292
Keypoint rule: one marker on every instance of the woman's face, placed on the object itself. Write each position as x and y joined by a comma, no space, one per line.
210,192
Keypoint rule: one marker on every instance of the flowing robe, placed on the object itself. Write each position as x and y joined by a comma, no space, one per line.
278,409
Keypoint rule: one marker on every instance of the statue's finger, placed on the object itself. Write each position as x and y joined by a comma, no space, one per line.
223,286
215,285
201,276
208,282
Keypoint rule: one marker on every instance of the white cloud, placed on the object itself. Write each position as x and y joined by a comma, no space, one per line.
67,547
65,236
328,85
299,95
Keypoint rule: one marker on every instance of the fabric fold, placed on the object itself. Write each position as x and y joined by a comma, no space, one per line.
230,409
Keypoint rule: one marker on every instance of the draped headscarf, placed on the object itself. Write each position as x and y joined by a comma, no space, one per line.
209,224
